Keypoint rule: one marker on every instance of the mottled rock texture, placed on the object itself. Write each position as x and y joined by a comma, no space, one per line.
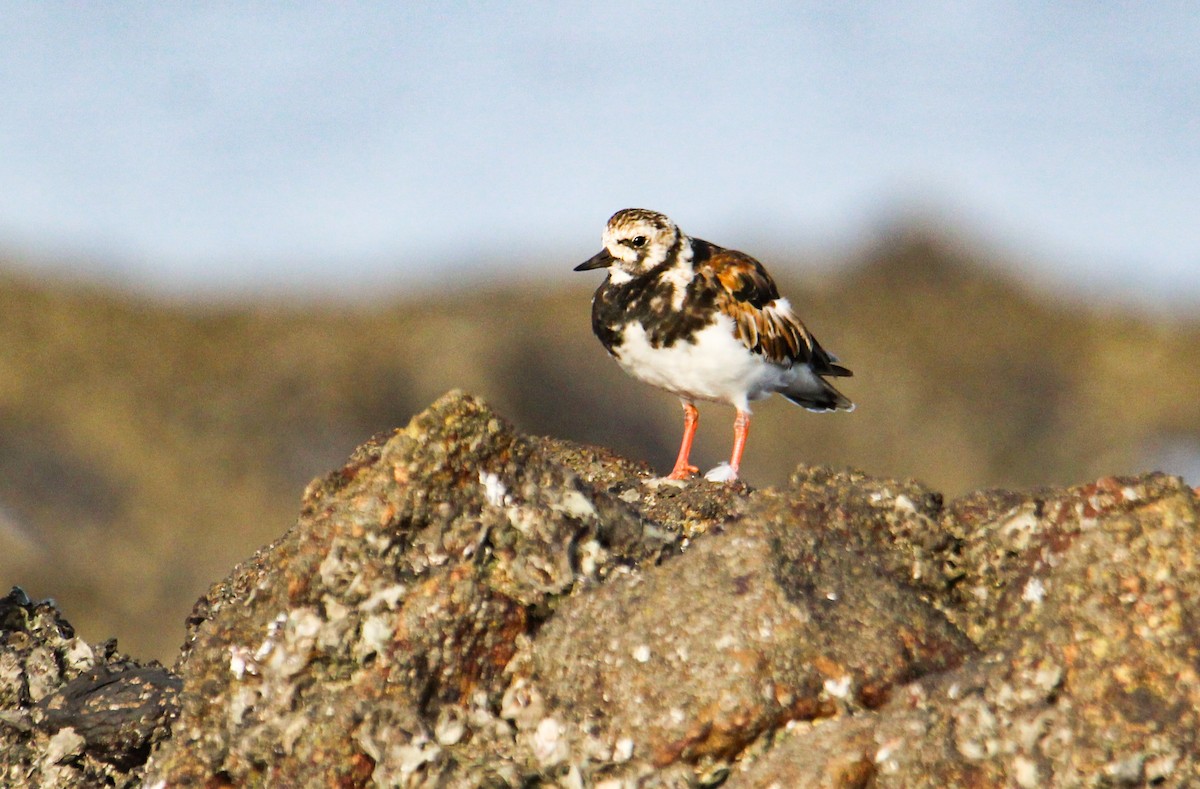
464,606
74,713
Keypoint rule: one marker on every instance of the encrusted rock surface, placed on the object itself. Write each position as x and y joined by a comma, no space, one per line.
1089,677
461,605
74,713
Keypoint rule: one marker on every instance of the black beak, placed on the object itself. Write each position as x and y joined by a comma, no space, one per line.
599,260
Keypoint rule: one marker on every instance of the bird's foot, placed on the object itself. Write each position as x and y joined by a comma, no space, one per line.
722,473
683,472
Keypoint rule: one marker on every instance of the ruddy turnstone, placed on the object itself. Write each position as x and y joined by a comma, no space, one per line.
704,323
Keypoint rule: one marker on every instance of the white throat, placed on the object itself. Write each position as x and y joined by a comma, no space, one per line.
618,276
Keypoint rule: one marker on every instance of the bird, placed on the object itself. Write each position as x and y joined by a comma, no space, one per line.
704,323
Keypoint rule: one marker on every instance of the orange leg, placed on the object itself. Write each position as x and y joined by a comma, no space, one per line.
741,431
691,418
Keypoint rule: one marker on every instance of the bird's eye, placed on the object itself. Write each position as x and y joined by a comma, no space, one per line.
639,241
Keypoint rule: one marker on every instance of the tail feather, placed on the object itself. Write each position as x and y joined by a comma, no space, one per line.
825,363
822,399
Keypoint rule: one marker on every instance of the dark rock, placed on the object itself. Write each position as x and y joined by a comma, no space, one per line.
72,713
464,606
119,714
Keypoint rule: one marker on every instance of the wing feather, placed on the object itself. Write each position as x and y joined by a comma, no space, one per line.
764,322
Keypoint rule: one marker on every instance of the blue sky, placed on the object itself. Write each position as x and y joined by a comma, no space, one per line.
246,146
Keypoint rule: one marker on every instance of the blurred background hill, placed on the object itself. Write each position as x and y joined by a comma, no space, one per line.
238,239
146,446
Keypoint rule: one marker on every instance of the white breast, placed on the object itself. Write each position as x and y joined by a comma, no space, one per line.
714,367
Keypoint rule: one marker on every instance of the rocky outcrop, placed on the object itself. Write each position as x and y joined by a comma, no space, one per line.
461,605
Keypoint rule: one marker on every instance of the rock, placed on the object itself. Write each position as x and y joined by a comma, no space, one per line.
774,622
411,580
118,714
1084,600
465,606
73,713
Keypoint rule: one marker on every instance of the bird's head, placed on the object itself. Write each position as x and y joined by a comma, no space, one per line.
635,241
